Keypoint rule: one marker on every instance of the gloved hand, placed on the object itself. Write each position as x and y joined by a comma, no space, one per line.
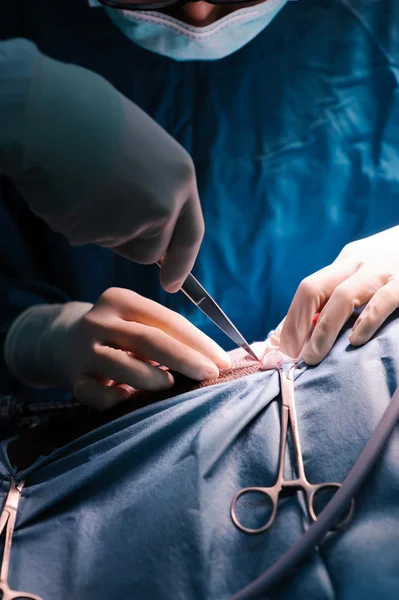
366,272
103,351
94,166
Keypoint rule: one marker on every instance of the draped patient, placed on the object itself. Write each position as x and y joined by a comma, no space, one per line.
135,501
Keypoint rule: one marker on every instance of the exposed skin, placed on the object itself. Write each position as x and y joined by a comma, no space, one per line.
201,14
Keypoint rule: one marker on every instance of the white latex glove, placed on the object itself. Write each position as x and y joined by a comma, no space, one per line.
103,351
366,272
94,166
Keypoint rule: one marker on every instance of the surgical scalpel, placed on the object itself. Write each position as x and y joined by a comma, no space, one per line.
200,297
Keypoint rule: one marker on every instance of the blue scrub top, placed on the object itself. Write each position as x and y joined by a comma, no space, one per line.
295,139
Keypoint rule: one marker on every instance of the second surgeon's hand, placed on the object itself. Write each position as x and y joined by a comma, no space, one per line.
118,343
366,272
95,167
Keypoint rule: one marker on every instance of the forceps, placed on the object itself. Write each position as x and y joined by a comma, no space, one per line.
204,301
272,494
7,518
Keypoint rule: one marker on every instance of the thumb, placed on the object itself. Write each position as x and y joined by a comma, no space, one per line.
184,246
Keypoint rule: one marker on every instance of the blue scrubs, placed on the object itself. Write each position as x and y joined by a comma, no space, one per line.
295,139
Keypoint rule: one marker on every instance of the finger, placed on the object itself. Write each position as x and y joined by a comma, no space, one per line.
354,292
147,249
157,345
311,296
384,302
271,345
119,366
184,246
154,363
135,308
273,342
95,394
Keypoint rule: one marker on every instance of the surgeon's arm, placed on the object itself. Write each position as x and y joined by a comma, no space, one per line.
93,165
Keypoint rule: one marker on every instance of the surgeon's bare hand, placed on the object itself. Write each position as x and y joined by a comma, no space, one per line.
366,272
119,342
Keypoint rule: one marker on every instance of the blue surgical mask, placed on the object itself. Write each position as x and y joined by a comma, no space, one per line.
170,37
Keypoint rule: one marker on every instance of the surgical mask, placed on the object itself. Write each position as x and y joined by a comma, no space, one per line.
171,37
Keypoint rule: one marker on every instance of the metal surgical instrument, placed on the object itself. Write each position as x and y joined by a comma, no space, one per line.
200,297
7,520
300,483
299,551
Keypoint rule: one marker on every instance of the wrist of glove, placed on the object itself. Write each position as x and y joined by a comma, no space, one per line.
38,343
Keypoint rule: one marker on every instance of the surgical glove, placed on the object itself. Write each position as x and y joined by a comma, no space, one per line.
366,272
103,352
94,166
